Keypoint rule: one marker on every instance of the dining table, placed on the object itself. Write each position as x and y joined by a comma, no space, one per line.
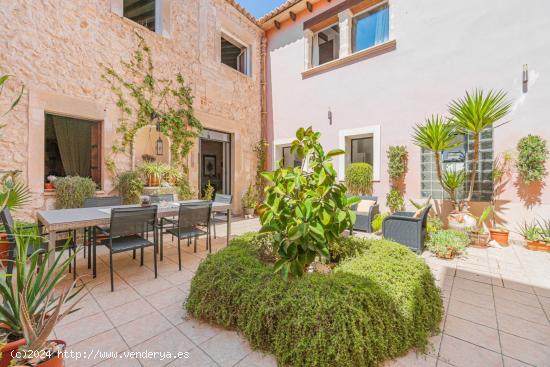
63,220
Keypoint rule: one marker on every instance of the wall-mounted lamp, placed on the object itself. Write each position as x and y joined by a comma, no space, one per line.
329,116
525,78
159,146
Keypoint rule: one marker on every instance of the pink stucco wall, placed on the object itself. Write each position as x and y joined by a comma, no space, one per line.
443,49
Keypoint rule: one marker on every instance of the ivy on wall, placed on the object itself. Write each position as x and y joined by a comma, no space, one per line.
145,100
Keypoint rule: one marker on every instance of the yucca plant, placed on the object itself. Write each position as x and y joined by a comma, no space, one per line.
436,135
474,113
34,282
452,181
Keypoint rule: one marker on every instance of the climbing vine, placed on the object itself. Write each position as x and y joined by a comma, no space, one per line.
145,100
261,155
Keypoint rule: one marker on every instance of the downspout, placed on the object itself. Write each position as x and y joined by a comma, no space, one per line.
263,91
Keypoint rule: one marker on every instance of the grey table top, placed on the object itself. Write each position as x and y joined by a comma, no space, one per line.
64,219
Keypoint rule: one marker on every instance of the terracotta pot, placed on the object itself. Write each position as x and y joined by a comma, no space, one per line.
153,179
7,349
56,361
538,246
501,236
4,249
478,239
49,186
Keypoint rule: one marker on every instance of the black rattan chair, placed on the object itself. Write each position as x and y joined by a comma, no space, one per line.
125,233
191,217
36,244
97,202
406,229
220,217
364,220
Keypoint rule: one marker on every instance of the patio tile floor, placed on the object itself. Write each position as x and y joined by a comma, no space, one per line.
497,303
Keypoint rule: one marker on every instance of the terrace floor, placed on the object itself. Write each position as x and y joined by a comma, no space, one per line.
497,304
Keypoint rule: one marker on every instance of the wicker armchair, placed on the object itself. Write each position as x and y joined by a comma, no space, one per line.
364,220
406,229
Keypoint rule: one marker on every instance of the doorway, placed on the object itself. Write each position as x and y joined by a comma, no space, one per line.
215,161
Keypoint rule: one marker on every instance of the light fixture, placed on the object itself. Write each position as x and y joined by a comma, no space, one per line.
525,78
329,116
159,146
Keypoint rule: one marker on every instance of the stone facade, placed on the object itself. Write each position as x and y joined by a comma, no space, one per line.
55,47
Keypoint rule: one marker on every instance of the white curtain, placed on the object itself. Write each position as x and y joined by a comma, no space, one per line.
381,34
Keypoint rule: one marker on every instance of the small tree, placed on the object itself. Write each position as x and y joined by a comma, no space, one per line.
359,179
305,210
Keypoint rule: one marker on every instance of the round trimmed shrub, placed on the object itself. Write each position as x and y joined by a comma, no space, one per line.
374,306
71,191
359,178
130,187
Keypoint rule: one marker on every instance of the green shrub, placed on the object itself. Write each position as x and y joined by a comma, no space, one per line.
209,191
532,155
130,187
434,225
345,247
397,161
359,178
448,243
185,192
394,200
71,191
263,246
378,220
305,211
371,308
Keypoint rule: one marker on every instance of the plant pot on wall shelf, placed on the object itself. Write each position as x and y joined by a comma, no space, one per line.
501,236
4,249
153,180
538,246
49,186
478,239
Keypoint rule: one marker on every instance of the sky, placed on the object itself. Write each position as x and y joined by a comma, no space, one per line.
260,7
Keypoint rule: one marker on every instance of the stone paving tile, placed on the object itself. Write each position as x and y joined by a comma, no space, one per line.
168,345
106,342
511,284
525,350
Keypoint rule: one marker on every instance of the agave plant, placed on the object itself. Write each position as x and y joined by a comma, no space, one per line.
544,229
436,135
530,231
35,283
474,113
452,181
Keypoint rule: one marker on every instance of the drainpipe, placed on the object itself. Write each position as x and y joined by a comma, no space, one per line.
263,91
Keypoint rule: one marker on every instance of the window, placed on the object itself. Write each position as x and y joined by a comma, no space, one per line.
290,159
371,28
234,54
143,12
361,150
72,147
459,159
326,45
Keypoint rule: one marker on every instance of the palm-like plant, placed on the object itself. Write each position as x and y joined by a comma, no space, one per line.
474,113
436,135
452,181
13,193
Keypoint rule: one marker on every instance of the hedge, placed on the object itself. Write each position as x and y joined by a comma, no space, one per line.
372,307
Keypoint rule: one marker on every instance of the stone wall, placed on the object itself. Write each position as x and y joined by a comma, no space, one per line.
55,47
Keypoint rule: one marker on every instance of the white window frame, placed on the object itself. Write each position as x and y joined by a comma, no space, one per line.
278,146
344,143
238,42
369,9
315,42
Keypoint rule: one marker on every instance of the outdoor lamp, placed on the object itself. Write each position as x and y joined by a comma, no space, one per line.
525,78
159,146
329,116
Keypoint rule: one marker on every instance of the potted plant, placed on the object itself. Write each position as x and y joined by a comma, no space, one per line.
153,172
478,236
33,290
209,191
536,234
50,184
250,201
501,174
447,244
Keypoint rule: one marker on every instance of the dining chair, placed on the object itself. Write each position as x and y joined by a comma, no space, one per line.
126,233
155,199
220,217
97,202
191,219
37,244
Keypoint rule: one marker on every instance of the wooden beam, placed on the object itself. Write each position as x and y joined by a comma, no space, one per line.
309,6
277,24
137,5
331,12
292,16
143,16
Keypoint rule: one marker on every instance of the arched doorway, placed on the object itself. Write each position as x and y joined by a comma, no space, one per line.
147,147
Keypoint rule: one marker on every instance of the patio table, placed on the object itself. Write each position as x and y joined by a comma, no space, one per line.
70,219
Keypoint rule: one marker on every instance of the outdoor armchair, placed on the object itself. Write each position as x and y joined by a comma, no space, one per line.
220,217
407,228
364,220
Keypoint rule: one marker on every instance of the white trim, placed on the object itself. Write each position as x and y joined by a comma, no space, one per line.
279,143
239,42
158,16
373,130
